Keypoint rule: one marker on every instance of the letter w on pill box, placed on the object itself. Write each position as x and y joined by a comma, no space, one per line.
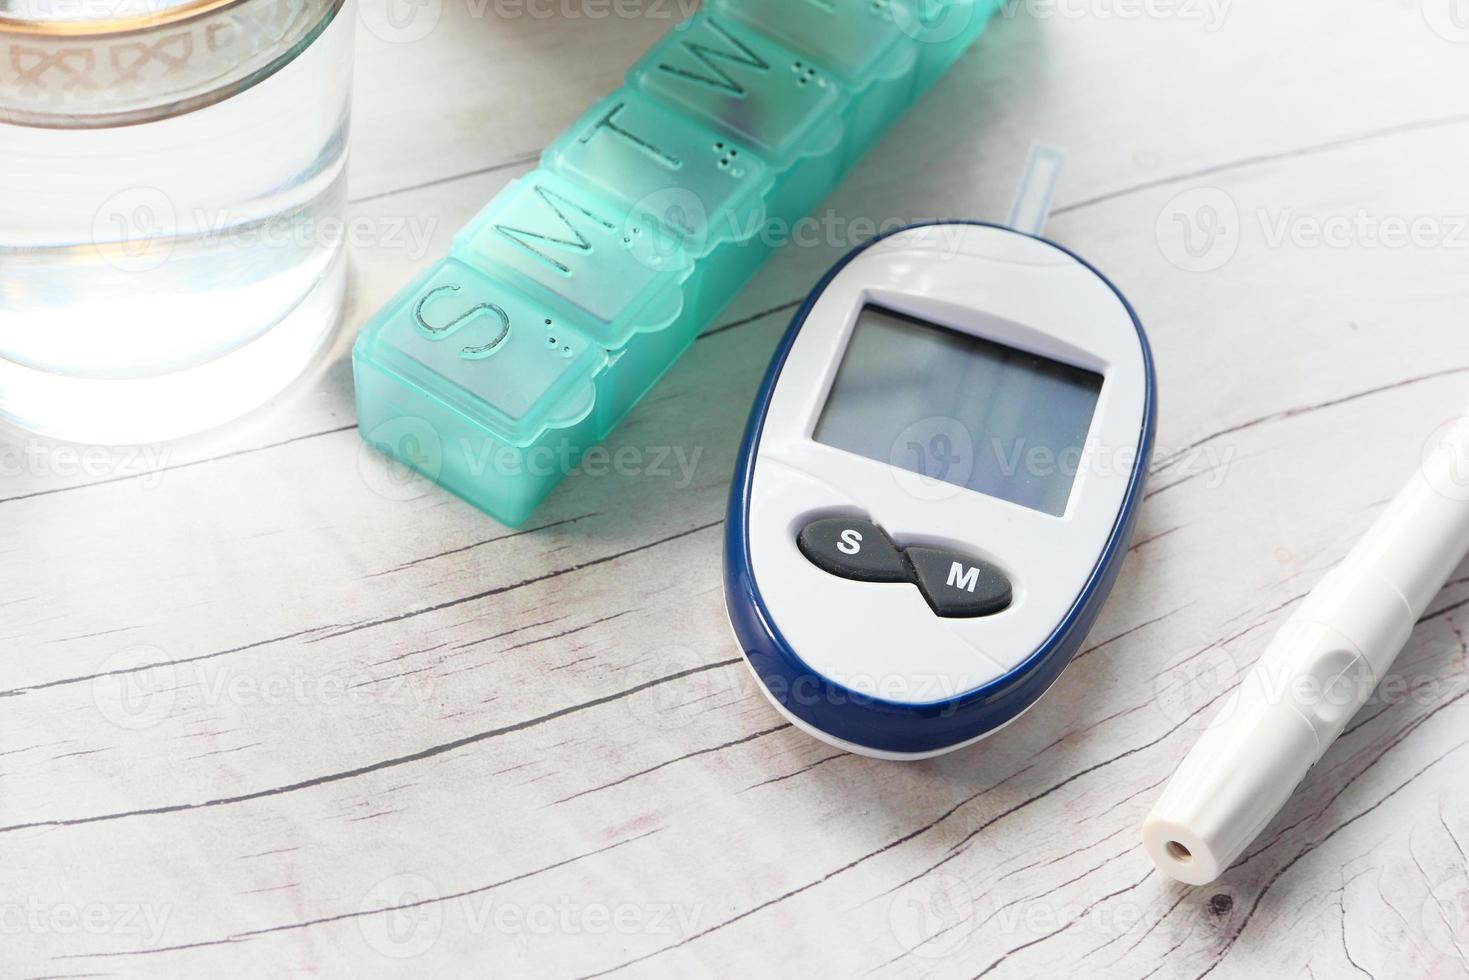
571,293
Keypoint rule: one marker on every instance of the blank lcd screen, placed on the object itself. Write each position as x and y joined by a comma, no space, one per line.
960,410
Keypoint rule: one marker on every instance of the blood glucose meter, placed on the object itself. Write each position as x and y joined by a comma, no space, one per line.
936,487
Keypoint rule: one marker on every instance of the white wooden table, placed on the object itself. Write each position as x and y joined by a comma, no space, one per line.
266,709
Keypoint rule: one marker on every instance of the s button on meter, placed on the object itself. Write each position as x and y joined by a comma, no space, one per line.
852,548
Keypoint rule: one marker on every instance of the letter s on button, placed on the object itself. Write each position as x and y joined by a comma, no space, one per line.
851,542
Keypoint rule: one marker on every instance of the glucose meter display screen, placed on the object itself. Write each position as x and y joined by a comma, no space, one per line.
960,410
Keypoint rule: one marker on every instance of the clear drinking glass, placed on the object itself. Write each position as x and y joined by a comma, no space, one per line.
172,181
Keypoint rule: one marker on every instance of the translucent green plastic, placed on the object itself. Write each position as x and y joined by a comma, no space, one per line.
564,300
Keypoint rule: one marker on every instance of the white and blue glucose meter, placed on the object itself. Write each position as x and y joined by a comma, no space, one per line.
936,487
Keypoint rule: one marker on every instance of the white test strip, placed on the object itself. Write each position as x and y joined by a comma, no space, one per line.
1031,208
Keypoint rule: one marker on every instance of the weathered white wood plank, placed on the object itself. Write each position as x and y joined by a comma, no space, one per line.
383,733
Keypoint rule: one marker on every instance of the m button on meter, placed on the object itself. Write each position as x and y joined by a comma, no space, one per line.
957,586
852,548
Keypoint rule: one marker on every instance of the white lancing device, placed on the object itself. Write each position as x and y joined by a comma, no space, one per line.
1315,674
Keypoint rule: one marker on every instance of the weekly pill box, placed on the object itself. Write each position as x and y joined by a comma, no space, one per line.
566,298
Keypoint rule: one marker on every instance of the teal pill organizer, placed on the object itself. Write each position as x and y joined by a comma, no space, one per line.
564,300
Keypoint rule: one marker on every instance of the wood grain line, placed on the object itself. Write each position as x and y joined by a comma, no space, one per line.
1290,413
1418,126
181,466
344,916
502,589
382,765
663,765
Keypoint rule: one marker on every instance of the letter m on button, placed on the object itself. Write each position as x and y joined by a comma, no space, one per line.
961,578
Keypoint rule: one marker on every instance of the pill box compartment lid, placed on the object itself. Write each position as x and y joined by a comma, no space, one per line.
586,257
859,41
489,353
701,188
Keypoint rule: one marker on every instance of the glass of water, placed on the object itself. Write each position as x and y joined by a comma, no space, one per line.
172,181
